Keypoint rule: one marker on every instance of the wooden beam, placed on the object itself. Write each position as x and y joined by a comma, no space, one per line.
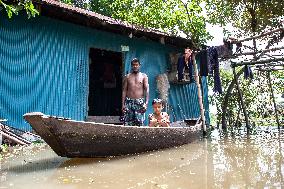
257,36
13,138
235,64
271,69
260,51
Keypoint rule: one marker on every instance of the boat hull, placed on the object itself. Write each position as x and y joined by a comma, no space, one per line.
69,138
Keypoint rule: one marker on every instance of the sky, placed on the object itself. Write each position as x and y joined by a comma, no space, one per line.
217,33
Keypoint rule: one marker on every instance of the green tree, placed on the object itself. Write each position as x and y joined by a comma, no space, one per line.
175,17
257,98
13,7
249,16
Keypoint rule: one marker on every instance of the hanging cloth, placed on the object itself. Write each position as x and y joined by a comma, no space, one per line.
182,67
225,50
248,72
202,56
213,65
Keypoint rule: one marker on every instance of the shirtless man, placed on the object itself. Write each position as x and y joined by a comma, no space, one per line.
135,95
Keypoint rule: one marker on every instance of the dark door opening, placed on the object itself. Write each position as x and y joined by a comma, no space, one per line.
105,83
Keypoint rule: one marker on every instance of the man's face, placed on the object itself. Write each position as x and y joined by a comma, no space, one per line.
187,53
135,66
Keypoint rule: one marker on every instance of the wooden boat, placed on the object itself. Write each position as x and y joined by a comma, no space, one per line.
11,136
69,138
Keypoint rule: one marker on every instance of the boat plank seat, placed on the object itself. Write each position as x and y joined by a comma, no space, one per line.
104,119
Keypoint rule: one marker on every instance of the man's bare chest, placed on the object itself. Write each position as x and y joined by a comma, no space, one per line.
136,79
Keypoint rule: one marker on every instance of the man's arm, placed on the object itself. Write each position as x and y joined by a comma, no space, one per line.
124,91
146,89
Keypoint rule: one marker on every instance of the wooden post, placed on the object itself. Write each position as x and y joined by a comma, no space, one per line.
200,99
273,98
241,98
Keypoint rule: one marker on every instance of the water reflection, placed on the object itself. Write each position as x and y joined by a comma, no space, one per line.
232,160
248,161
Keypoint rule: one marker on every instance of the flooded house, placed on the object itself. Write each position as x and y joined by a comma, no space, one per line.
70,62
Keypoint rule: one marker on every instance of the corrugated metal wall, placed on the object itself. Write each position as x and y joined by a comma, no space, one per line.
183,101
44,67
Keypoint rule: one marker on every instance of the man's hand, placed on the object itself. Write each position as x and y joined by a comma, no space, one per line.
144,108
123,109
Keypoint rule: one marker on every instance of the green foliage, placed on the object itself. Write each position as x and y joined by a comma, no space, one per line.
279,80
69,2
171,16
187,17
256,95
3,147
217,99
16,6
247,15
259,98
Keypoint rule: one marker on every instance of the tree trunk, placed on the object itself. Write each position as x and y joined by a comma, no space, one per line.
241,99
226,99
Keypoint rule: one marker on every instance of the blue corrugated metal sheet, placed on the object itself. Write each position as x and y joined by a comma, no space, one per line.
183,100
44,67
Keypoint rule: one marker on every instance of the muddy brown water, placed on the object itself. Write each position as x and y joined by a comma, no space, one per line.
221,161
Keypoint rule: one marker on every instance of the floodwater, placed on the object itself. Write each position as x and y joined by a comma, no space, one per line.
221,161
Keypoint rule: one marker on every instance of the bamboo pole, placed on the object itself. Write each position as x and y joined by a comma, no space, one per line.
273,99
241,99
271,69
258,36
15,139
11,135
259,51
234,64
200,99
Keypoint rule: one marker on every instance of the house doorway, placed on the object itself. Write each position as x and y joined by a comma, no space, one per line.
105,85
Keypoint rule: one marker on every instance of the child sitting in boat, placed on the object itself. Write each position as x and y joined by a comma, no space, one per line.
158,118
